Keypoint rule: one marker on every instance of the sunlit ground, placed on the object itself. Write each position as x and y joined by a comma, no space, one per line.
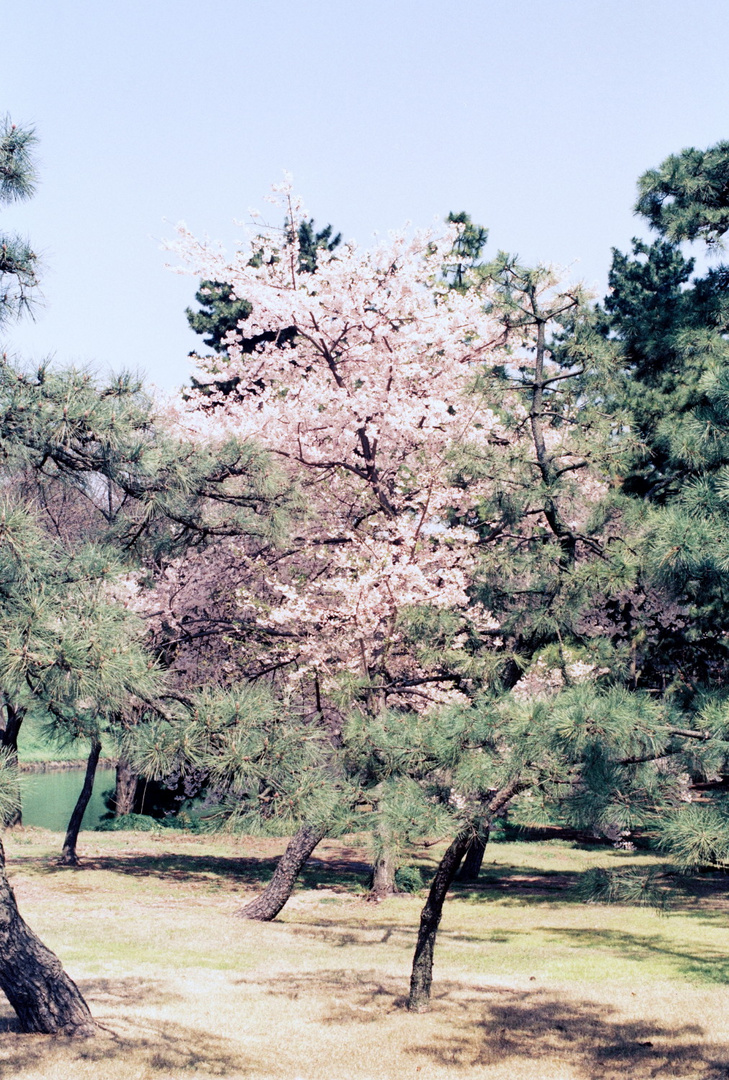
529,982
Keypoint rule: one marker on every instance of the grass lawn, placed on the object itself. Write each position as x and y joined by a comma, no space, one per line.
529,982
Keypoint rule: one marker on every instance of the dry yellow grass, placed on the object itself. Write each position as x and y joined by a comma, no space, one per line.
528,984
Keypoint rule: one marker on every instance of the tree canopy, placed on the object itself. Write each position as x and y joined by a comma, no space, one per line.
431,538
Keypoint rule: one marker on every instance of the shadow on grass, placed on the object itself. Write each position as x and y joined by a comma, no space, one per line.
705,895
523,884
154,1047
703,964
493,1026
211,869
340,934
345,870
116,993
592,1039
334,872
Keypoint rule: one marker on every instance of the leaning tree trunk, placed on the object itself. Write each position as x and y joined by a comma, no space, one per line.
471,865
422,974
45,999
267,906
68,854
125,792
9,740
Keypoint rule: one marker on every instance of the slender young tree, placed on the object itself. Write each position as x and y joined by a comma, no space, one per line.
591,756
68,853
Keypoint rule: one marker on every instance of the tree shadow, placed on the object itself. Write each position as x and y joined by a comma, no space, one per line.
220,871
593,1038
381,931
157,1047
525,884
710,890
493,1026
103,994
362,996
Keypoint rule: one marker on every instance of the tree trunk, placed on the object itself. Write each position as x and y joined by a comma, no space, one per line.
422,974
9,740
45,999
68,854
125,792
383,876
471,865
267,906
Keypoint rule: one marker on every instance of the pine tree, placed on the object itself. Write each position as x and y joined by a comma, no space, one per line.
222,312
18,262
43,996
672,327
687,196
99,463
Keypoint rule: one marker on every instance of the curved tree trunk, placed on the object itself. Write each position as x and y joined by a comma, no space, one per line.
9,740
125,792
45,999
267,906
471,865
68,854
422,973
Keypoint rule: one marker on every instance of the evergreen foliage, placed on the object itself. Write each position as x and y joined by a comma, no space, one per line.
68,649
673,330
221,312
145,486
18,261
687,196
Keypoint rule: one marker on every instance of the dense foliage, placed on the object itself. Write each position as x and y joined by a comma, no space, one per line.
429,539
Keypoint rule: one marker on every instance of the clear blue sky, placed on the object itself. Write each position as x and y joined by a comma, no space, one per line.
536,117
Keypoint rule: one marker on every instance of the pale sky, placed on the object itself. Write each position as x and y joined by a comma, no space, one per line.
536,117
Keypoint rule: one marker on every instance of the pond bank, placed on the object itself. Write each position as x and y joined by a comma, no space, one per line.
53,766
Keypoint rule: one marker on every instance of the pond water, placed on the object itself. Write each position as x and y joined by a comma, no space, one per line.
49,797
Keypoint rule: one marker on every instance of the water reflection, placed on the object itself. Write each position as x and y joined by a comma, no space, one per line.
49,797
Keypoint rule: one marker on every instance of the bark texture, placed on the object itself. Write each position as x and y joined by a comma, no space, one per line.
9,740
422,973
125,792
267,906
473,860
68,854
45,999
383,876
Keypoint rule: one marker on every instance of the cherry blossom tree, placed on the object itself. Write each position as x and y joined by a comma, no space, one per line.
460,467
361,383
364,405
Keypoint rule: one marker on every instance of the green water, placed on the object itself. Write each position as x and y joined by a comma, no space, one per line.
49,797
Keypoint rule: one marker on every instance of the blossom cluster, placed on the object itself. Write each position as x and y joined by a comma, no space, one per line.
360,377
